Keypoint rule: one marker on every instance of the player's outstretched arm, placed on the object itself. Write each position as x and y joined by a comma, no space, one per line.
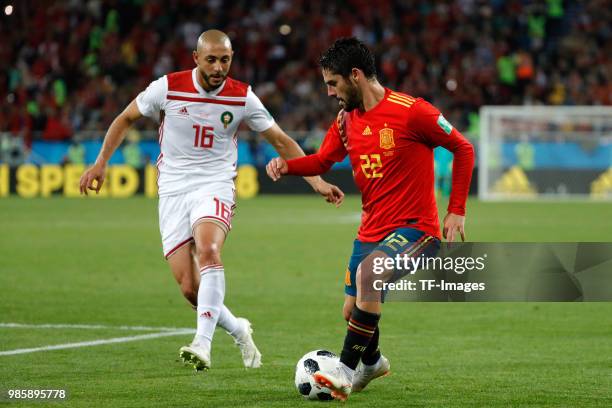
288,148
112,140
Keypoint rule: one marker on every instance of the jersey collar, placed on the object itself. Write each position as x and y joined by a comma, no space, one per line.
376,107
201,90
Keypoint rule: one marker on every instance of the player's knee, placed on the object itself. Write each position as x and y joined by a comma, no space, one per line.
208,254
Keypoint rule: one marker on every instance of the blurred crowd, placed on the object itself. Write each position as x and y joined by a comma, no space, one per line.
71,66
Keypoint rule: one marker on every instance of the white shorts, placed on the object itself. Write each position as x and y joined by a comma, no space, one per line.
179,214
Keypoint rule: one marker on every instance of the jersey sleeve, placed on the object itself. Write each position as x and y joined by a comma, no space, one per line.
152,100
257,116
332,150
433,129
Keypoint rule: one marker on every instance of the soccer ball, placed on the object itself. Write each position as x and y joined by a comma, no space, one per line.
318,360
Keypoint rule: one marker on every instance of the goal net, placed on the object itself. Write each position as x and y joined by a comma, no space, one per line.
536,152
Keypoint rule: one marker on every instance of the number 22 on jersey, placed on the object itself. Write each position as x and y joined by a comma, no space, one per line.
371,165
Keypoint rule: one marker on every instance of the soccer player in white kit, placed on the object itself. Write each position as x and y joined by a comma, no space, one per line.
200,111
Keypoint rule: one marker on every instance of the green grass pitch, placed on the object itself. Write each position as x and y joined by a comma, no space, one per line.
99,262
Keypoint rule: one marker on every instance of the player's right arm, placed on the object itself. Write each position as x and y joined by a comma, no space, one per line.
332,150
112,140
148,103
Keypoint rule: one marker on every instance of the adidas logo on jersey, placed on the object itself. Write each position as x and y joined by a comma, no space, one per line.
367,131
183,111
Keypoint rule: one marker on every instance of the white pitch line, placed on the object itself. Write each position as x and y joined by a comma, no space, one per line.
89,327
96,342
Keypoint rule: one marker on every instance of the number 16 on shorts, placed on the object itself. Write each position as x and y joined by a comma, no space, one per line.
223,211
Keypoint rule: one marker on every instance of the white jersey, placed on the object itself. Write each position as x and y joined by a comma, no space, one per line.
198,129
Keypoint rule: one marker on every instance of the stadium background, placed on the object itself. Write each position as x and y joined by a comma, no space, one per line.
68,67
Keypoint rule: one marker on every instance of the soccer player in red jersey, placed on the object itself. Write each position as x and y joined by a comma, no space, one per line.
389,137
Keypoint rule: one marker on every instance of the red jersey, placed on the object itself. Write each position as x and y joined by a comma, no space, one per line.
391,152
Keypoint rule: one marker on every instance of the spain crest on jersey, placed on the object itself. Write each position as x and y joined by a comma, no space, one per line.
386,139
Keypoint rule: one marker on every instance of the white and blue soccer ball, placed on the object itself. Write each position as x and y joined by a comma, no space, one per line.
317,360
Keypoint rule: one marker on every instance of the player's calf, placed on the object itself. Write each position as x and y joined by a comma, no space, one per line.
347,307
190,293
182,267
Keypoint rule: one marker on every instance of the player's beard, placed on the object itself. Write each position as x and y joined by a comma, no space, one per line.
352,99
220,77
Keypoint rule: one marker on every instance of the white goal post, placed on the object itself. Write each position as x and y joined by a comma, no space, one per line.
539,152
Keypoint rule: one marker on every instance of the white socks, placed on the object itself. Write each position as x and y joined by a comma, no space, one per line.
229,322
348,372
210,303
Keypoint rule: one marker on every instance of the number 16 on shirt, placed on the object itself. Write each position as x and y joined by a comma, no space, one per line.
203,136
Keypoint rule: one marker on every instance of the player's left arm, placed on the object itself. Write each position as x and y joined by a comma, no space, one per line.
437,131
288,149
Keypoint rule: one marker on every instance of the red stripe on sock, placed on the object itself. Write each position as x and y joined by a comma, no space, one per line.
210,267
364,334
360,331
362,325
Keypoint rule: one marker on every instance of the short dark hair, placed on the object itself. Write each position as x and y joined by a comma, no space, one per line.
346,54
